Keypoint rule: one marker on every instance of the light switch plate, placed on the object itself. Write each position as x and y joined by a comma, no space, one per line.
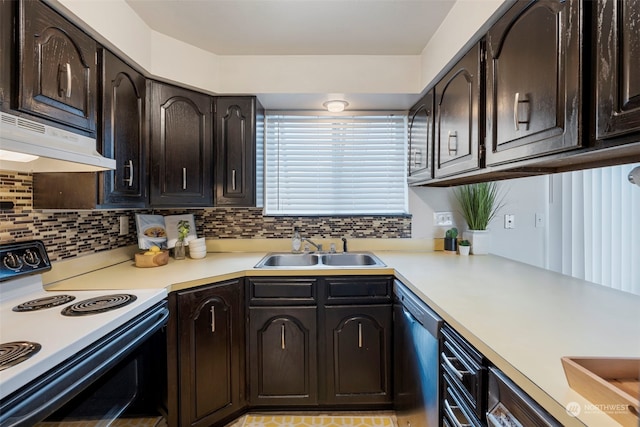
509,221
124,225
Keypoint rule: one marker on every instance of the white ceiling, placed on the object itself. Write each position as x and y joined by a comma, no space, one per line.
297,27
302,27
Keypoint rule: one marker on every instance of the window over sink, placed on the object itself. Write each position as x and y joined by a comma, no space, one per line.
335,165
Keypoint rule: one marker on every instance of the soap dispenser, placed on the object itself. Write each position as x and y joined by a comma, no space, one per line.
296,241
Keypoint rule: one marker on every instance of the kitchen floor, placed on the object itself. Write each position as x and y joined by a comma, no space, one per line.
288,419
302,419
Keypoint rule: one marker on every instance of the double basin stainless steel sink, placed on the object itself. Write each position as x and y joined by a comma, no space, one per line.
285,260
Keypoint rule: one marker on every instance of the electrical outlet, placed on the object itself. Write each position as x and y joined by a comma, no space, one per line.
509,221
443,219
124,225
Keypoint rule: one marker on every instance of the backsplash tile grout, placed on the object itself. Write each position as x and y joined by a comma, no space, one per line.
67,234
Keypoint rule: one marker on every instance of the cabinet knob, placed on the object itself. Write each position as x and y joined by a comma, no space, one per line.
213,318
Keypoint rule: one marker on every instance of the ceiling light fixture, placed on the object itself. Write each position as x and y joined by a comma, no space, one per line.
336,105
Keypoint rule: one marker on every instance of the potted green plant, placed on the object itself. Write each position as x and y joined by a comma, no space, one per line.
464,247
183,232
479,204
451,240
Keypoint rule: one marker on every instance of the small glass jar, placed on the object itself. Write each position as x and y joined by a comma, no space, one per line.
179,250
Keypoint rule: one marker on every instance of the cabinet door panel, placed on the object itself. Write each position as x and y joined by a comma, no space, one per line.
235,151
123,133
533,88
211,356
6,53
421,123
618,62
457,122
58,68
181,147
358,340
282,349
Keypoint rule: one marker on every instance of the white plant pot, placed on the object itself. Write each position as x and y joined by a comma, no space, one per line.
464,250
480,241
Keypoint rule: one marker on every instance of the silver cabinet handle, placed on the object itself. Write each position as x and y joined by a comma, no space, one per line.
516,117
447,361
417,157
64,75
282,343
129,180
233,179
359,334
449,410
452,134
184,178
213,318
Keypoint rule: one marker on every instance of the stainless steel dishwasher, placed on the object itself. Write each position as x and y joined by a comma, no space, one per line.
416,365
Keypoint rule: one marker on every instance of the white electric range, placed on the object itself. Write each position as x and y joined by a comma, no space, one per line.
69,324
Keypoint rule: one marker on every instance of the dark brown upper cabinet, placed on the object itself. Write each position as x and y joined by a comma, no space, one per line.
534,100
235,123
181,140
458,135
123,133
421,124
617,54
57,68
6,50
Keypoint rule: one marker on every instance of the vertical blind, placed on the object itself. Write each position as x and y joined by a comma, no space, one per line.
600,223
347,165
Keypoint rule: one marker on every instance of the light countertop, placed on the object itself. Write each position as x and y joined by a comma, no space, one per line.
522,318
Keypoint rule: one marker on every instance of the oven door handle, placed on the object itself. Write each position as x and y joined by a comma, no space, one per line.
41,397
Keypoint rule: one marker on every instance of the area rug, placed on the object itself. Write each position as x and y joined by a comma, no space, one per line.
317,420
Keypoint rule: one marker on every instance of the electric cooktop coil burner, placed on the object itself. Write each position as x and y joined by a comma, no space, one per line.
42,303
98,304
12,353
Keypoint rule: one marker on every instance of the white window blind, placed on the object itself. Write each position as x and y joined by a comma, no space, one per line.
347,165
599,234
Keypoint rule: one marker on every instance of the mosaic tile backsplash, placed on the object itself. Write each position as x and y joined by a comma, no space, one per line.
71,233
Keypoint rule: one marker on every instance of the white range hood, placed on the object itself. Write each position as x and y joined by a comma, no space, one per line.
51,149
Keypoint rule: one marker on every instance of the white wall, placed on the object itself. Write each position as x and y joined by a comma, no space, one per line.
462,22
524,197
116,25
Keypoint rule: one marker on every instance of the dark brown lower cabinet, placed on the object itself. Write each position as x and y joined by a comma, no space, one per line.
211,357
283,356
358,345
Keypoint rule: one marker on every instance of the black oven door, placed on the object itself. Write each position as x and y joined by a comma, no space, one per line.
100,382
